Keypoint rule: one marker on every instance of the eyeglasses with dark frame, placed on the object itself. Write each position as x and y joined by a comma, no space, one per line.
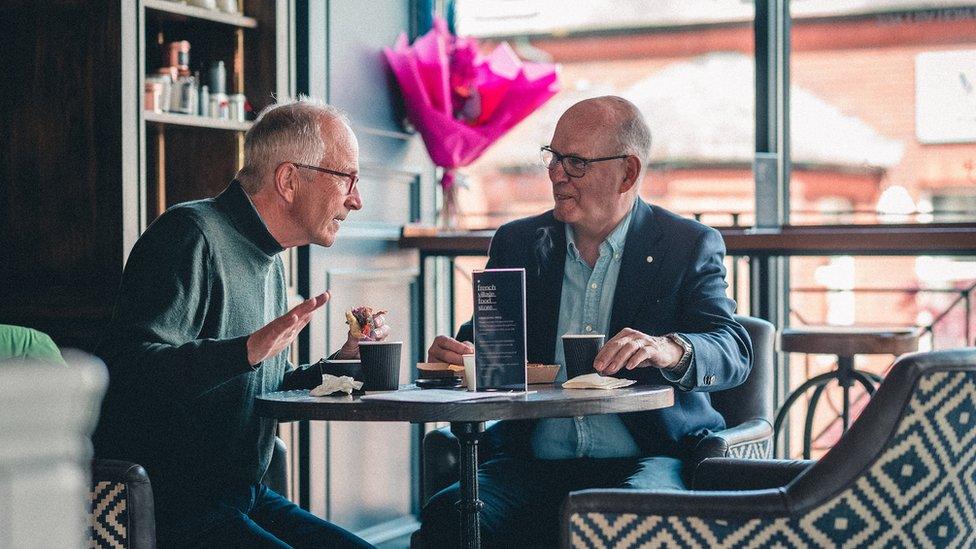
574,166
352,177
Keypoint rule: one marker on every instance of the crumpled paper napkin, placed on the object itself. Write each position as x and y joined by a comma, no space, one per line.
596,381
334,384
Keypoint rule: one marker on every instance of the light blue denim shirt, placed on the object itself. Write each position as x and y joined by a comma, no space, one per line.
584,307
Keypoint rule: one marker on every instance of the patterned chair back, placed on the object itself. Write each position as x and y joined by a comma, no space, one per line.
905,474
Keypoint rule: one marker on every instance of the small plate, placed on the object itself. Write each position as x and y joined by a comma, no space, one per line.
439,383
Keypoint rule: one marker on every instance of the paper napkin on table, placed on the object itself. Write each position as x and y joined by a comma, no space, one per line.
334,384
596,381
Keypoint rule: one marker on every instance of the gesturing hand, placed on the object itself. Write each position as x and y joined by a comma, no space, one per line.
632,349
280,332
380,331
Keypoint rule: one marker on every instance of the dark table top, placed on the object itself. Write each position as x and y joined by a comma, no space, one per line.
546,401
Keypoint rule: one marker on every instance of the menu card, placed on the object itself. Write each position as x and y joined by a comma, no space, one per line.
499,329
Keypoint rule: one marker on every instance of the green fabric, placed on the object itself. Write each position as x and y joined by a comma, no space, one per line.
26,344
200,280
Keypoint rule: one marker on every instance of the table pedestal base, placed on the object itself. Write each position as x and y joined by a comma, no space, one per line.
468,434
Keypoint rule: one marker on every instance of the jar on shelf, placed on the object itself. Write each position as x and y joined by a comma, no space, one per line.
152,101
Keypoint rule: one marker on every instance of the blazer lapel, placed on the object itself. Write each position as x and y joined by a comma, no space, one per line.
643,253
549,249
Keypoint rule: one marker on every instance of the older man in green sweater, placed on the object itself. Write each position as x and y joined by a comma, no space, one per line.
201,328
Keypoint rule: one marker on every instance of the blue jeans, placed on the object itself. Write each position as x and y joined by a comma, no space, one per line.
522,498
253,517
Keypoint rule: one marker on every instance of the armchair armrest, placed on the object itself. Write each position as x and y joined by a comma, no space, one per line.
276,477
640,518
122,505
440,457
750,439
747,474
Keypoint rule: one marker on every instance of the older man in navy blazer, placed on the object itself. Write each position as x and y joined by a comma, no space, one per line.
603,261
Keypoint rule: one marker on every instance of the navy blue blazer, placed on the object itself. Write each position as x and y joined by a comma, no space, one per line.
672,279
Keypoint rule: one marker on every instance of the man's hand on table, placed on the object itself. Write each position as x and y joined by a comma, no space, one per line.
380,331
280,332
631,349
449,350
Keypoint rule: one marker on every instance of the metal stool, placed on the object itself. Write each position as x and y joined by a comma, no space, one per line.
845,343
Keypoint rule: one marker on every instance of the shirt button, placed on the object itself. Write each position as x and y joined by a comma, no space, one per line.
616,256
650,259
594,285
578,418
589,328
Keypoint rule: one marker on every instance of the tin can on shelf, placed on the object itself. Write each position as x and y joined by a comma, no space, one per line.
235,104
184,96
219,106
165,84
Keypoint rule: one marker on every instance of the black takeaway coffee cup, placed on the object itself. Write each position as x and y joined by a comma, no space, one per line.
380,365
580,351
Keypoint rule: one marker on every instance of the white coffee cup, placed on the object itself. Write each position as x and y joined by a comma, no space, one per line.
470,380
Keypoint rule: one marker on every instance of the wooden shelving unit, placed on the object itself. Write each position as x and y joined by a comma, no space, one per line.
188,157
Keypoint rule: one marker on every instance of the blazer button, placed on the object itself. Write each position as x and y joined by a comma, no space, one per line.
709,379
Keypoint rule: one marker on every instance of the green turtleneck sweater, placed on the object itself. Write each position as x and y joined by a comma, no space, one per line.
200,280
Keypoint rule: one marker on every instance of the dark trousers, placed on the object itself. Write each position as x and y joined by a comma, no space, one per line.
252,517
522,498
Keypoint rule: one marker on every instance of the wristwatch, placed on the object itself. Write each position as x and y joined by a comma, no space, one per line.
687,349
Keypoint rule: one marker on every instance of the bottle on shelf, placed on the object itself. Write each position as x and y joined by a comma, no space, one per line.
219,103
204,100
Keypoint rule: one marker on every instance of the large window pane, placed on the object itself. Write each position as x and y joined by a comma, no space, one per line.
932,294
883,111
687,65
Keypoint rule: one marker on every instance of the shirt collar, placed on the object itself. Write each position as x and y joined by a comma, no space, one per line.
615,240
235,202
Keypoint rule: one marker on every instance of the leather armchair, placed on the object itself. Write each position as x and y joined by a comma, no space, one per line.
903,475
122,513
748,409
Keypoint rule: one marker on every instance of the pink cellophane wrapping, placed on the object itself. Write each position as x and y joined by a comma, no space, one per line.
461,101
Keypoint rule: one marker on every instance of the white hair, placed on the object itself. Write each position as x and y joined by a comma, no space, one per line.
289,131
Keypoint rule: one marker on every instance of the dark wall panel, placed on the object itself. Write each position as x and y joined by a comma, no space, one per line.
60,166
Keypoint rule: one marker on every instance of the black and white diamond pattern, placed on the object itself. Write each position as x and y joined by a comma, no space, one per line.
108,517
921,492
757,449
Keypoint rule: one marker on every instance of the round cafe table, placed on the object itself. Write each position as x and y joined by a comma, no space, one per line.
467,420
